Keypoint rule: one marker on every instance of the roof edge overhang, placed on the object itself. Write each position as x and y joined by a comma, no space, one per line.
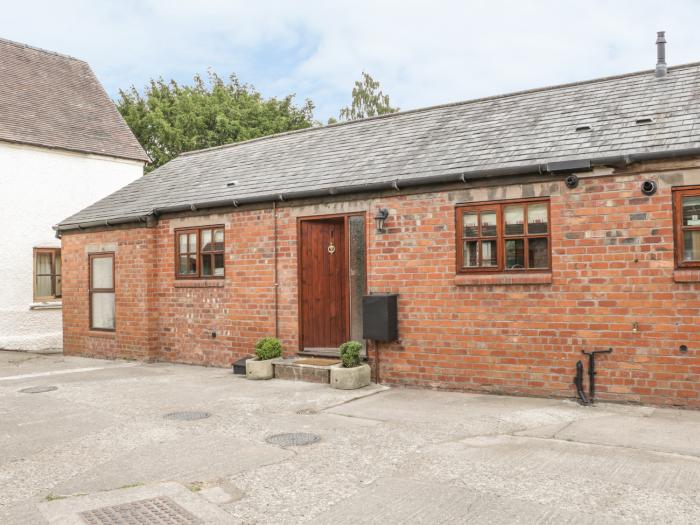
547,168
145,158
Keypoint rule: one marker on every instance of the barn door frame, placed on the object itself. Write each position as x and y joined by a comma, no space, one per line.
300,262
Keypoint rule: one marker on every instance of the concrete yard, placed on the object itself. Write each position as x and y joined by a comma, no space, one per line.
99,442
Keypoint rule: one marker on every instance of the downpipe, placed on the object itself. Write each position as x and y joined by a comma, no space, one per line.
578,379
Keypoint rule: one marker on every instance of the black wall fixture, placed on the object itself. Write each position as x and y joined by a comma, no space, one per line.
649,187
380,317
571,181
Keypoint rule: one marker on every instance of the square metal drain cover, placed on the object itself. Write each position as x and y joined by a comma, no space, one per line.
154,511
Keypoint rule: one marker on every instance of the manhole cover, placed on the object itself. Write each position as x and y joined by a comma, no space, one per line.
293,439
187,415
38,389
155,511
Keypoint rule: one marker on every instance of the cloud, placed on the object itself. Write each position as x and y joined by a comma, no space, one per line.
423,53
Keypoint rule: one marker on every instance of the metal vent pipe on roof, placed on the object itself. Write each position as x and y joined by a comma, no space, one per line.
661,54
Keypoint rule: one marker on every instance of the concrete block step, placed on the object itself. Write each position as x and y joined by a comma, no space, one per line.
312,370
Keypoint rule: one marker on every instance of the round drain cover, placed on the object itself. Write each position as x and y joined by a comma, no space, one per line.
293,439
38,389
186,415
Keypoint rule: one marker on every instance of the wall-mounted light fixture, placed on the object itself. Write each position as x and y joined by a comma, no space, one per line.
379,218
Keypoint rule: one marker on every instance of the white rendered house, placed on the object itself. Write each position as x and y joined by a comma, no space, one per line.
63,145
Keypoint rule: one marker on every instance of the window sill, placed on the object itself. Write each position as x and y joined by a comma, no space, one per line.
502,279
201,283
686,275
103,334
53,305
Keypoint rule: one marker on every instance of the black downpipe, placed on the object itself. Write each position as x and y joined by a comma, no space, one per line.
591,373
578,381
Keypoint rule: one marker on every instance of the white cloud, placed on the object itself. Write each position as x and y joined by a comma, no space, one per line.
423,52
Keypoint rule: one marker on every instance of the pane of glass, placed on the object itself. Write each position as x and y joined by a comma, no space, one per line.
356,225
488,223
206,265
103,310
57,262
538,253
206,240
183,243
691,245
488,253
691,211
470,225
515,219
192,266
470,254
537,219
43,263
102,272
219,264
219,240
515,254
183,268
193,243
43,286
58,286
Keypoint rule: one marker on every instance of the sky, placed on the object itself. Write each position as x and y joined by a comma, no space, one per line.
422,53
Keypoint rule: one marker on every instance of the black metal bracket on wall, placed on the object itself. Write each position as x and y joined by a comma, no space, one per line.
578,379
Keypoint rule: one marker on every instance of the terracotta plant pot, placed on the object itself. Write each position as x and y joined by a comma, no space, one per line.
257,369
350,378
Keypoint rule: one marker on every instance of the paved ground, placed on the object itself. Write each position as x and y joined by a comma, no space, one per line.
385,456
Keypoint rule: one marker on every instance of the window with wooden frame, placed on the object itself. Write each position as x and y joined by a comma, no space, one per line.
199,253
47,274
507,236
686,206
102,294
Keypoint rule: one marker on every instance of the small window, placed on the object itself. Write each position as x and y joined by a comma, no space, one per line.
200,252
102,296
503,237
47,274
687,226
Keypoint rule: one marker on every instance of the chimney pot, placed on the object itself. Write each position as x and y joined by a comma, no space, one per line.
661,54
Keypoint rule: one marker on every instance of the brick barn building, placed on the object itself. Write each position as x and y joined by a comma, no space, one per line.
520,231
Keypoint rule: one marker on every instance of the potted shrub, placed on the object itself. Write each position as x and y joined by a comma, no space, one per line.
266,351
352,372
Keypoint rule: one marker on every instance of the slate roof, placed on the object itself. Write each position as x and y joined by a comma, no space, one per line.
504,134
53,100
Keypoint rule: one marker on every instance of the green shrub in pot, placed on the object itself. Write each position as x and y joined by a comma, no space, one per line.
350,354
268,348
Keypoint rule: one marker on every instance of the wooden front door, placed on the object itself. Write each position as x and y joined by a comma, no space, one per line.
324,284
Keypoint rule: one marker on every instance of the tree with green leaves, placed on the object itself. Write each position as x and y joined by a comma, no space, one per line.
169,118
367,101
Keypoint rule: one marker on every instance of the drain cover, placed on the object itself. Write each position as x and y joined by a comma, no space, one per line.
38,389
293,439
187,415
155,511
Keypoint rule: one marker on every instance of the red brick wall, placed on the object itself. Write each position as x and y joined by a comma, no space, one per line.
612,262
136,310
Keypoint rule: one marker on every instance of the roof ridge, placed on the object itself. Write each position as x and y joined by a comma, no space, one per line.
40,49
439,106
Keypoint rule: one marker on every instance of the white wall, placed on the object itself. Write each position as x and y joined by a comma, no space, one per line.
39,187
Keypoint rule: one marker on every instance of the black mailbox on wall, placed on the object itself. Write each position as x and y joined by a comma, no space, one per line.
380,317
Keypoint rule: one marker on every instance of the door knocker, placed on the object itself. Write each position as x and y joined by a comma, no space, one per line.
331,248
